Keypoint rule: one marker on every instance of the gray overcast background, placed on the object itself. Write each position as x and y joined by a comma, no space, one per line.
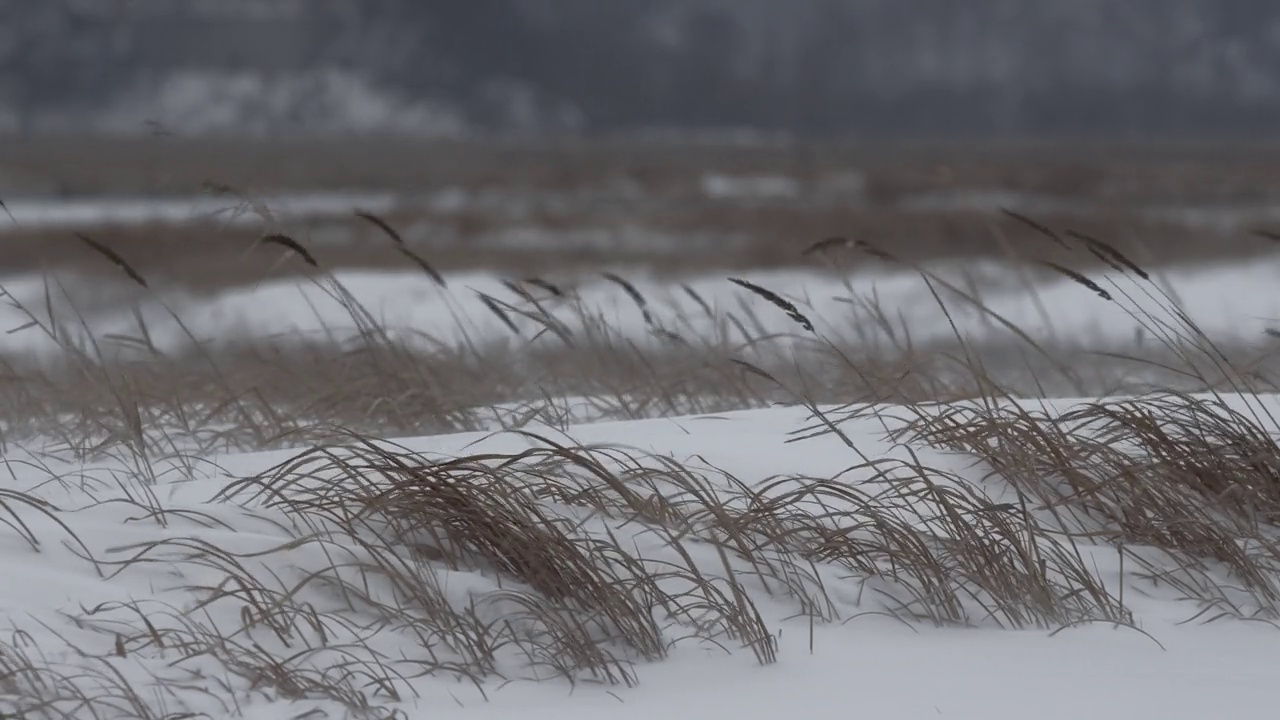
1117,68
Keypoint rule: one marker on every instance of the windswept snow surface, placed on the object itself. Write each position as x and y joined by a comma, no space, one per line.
870,666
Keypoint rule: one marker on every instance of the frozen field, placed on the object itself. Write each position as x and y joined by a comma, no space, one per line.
177,564
194,545
634,452
1230,302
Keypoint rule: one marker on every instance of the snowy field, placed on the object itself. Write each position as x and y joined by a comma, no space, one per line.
1230,302
177,549
135,622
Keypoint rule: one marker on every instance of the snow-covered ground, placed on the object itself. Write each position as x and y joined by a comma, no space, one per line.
181,628
1230,302
865,663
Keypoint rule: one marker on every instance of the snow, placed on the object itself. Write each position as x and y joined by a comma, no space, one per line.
36,213
1059,312
870,665
892,673
64,611
751,187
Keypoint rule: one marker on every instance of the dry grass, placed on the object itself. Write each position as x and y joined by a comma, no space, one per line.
668,236
1126,174
561,208
584,563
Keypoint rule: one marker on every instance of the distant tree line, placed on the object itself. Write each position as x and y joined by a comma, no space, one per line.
1112,67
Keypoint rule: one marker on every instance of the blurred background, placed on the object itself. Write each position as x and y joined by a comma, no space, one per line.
448,68
664,137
